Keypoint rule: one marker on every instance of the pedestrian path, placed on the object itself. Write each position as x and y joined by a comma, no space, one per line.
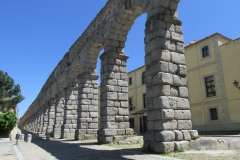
40,149
19,154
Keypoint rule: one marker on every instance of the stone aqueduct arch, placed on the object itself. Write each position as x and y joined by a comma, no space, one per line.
67,104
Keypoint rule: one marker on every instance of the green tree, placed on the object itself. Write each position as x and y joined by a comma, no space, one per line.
10,94
7,122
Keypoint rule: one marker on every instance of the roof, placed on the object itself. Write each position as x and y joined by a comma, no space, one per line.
139,112
230,42
195,42
136,69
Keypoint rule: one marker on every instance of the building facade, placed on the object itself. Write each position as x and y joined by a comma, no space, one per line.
137,99
212,65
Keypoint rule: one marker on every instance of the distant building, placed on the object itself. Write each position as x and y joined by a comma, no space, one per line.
137,99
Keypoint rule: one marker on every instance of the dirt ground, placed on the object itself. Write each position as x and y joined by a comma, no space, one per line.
189,155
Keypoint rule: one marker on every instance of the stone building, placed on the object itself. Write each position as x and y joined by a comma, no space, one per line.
212,65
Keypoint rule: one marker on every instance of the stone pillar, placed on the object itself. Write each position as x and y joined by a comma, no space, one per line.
70,111
87,107
51,115
59,115
45,118
114,98
39,121
35,123
169,116
32,123
41,116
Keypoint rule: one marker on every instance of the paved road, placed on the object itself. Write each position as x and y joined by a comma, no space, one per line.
41,149
6,150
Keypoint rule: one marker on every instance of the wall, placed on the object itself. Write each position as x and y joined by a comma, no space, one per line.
230,56
221,64
136,91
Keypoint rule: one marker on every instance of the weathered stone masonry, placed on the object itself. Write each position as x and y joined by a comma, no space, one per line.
114,98
169,117
59,114
87,106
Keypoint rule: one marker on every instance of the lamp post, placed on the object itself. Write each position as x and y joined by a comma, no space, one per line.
235,83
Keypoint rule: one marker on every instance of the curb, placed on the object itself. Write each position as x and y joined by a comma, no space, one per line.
220,136
18,153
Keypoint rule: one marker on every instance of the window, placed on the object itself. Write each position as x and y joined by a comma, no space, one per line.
130,80
130,102
210,86
131,121
205,51
143,78
213,114
144,100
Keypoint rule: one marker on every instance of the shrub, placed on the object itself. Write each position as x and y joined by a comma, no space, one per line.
7,122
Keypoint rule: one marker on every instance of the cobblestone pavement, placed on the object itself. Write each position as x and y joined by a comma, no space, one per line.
41,149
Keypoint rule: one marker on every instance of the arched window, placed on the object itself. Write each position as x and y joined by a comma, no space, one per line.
143,78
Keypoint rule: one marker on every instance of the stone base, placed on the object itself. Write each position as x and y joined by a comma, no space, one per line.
57,134
68,133
168,141
49,130
85,137
159,147
165,147
44,129
181,145
83,134
106,136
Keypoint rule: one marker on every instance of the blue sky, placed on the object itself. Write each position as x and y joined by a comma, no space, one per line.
35,34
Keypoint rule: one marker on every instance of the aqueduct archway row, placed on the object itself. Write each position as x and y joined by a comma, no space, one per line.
67,105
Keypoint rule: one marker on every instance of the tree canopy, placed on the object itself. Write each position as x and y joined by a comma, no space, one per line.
7,123
10,94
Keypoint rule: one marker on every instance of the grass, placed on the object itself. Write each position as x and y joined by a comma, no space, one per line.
125,146
220,133
87,138
181,154
181,149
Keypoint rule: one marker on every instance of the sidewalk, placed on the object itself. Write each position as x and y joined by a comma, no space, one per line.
6,149
59,149
40,149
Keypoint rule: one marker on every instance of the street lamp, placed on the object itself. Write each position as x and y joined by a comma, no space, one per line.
235,83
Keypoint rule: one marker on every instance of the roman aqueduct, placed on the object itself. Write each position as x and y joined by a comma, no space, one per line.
67,104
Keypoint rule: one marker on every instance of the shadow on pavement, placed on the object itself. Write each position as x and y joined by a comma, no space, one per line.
65,150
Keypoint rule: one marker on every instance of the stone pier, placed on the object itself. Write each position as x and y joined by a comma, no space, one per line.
59,115
51,115
87,107
114,98
45,118
70,111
